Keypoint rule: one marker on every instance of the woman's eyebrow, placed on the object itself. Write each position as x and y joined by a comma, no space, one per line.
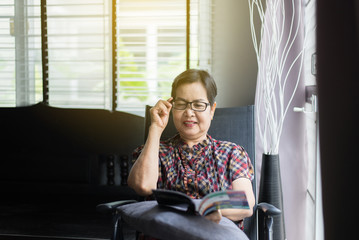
197,100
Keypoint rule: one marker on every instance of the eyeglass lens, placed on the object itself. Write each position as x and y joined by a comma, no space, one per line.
196,106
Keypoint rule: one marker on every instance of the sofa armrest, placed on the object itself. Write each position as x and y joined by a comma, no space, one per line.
269,209
112,206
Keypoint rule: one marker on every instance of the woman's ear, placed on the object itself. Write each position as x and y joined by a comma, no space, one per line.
213,109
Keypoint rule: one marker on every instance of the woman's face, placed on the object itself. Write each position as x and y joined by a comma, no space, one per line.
192,125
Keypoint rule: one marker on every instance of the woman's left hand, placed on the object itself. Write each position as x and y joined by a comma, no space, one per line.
215,216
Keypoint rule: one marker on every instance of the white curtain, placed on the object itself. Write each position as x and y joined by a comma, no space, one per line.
289,24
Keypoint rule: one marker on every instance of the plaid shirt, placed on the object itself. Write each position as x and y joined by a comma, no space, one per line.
207,167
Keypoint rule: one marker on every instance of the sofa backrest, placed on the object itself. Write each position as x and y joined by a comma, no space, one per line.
52,151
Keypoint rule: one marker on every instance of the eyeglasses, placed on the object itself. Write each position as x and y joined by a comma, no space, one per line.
195,106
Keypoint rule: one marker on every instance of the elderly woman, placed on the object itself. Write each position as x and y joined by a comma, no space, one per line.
192,161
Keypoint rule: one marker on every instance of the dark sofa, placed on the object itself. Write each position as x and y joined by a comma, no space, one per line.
57,164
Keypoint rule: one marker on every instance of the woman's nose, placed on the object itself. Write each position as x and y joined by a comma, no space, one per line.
188,111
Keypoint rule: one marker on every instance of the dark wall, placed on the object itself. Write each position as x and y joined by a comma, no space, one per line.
338,76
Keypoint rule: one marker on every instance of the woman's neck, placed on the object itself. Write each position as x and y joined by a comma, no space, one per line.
193,142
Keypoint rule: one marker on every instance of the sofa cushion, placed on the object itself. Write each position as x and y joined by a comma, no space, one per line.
167,223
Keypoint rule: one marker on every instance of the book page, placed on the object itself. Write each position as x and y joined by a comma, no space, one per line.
223,200
174,199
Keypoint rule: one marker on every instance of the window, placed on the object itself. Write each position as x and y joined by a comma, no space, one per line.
152,40
314,214
79,53
20,53
152,48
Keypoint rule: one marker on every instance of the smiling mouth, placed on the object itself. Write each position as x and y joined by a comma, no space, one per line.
189,123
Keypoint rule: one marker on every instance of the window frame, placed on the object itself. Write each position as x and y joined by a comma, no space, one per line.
114,81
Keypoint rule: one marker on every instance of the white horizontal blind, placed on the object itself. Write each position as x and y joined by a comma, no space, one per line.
151,51
151,42
79,53
20,53
201,34
7,55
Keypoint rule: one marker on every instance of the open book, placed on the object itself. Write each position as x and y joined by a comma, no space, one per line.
204,206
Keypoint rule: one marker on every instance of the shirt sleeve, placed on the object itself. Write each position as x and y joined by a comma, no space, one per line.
240,164
136,153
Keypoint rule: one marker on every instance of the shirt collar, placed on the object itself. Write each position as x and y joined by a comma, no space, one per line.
178,141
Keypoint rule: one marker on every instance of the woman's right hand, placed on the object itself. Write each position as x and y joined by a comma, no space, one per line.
160,114
143,176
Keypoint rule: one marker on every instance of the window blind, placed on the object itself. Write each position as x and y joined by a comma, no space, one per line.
79,53
20,53
151,50
203,42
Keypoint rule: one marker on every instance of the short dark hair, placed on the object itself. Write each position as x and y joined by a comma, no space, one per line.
196,75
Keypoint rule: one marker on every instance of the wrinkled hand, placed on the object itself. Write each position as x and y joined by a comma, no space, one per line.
160,114
215,216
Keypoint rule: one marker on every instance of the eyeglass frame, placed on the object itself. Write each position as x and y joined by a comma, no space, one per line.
190,103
